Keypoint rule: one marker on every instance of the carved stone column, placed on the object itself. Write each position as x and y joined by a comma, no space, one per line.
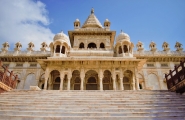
46,78
133,85
121,79
101,83
45,83
101,79
61,82
68,84
114,83
82,76
121,84
81,84
137,84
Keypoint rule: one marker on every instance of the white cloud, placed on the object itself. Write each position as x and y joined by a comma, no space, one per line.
25,21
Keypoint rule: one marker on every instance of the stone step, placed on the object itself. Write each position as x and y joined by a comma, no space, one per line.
87,103
161,109
92,102
47,113
94,96
91,105
24,117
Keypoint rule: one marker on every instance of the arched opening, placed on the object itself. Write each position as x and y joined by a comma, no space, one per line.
91,84
120,50
140,86
42,87
63,50
141,81
91,79
153,82
91,45
57,50
126,83
81,45
107,81
54,80
102,45
56,84
30,81
125,49
77,83
127,79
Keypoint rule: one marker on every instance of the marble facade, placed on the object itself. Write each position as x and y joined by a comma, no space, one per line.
90,58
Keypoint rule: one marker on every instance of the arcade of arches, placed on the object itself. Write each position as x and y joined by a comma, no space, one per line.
91,80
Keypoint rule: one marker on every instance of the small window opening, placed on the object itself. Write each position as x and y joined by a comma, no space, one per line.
63,50
120,50
81,45
102,45
91,45
57,49
125,49
140,86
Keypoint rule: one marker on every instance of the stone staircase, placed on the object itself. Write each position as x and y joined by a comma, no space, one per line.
91,105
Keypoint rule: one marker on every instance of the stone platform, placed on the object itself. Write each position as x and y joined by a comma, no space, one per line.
91,105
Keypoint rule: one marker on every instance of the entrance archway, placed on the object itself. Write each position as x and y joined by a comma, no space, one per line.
91,78
75,81
91,84
107,80
54,80
127,80
56,84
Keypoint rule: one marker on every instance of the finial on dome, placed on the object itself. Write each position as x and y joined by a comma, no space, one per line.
92,11
61,31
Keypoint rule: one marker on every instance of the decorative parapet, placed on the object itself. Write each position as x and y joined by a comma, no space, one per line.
159,53
94,50
26,53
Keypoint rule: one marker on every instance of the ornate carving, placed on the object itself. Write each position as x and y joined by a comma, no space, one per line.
44,47
178,47
165,47
139,46
5,47
152,47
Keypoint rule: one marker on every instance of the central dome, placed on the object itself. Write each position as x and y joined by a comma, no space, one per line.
122,37
61,37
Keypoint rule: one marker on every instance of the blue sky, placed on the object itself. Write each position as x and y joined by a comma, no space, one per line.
144,20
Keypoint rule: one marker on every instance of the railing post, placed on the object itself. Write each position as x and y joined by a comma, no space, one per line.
10,79
15,81
172,78
4,74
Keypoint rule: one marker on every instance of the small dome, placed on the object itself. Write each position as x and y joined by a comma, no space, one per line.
61,37
77,20
106,20
123,37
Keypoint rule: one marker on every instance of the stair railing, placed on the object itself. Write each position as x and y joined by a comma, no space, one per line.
7,77
176,78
